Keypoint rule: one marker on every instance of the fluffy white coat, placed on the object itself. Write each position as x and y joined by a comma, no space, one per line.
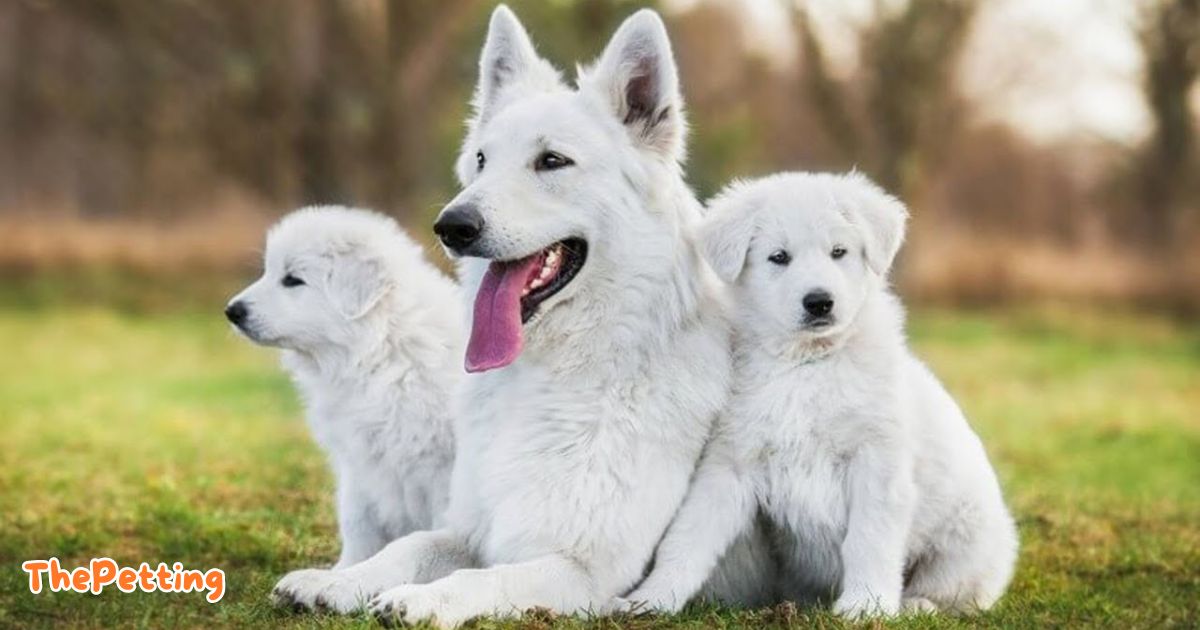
372,337
573,459
877,493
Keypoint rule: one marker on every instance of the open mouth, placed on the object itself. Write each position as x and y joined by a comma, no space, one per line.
555,267
509,296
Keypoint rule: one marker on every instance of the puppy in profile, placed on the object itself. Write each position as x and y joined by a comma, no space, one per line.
372,336
878,493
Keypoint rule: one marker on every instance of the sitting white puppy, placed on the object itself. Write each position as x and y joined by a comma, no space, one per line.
372,336
879,495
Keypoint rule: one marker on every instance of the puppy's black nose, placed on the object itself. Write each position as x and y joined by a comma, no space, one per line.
236,313
459,226
818,303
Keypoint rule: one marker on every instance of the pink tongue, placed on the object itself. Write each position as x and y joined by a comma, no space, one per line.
496,334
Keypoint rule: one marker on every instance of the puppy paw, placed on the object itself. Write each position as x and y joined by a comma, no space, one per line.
412,603
649,601
295,590
917,606
864,605
319,589
620,605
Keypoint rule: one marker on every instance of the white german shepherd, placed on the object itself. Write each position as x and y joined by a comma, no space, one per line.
600,347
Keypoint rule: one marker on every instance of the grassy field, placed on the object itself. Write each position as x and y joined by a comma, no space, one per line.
164,438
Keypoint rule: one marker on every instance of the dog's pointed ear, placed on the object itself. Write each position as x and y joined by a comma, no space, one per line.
726,232
881,217
355,285
509,61
638,77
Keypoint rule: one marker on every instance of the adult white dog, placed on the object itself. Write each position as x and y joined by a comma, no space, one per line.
372,336
601,354
879,493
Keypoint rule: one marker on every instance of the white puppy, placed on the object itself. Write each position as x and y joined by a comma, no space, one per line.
372,336
879,494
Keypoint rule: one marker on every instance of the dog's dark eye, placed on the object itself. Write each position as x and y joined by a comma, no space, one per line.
551,161
780,257
480,160
838,252
290,281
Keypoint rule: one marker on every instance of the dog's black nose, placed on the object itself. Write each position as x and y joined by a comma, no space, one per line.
236,313
818,303
459,226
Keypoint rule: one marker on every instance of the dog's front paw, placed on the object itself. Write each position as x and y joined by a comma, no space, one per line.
918,606
320,589
860,605
620,605
296,589
411,603
645,600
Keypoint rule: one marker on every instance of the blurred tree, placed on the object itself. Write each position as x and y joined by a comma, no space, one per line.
898,113
420,34
732,100
824,92
19,111
168,108
911,54
1170,39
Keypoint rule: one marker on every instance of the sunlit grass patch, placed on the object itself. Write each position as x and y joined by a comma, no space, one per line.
164,438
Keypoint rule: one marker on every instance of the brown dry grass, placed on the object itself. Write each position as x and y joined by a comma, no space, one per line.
219,241
963,269
946,267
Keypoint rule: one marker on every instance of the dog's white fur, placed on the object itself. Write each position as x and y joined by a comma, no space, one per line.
373,341
878,493
573,459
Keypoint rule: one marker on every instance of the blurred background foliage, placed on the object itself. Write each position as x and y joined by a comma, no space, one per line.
153,138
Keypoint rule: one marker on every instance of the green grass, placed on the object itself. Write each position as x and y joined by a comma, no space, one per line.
164,438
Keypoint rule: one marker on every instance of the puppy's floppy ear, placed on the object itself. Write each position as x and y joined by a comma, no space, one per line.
509,62
881,217
637,76
356,284
726,232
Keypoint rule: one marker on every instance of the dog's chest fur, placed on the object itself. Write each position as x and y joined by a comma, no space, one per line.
387,433
591,464
797,426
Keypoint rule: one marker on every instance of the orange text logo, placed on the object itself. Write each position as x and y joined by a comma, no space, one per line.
102,572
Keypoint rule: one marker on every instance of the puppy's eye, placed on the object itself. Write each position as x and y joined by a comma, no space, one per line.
838,252
780,257
480,160
290,281
551,161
